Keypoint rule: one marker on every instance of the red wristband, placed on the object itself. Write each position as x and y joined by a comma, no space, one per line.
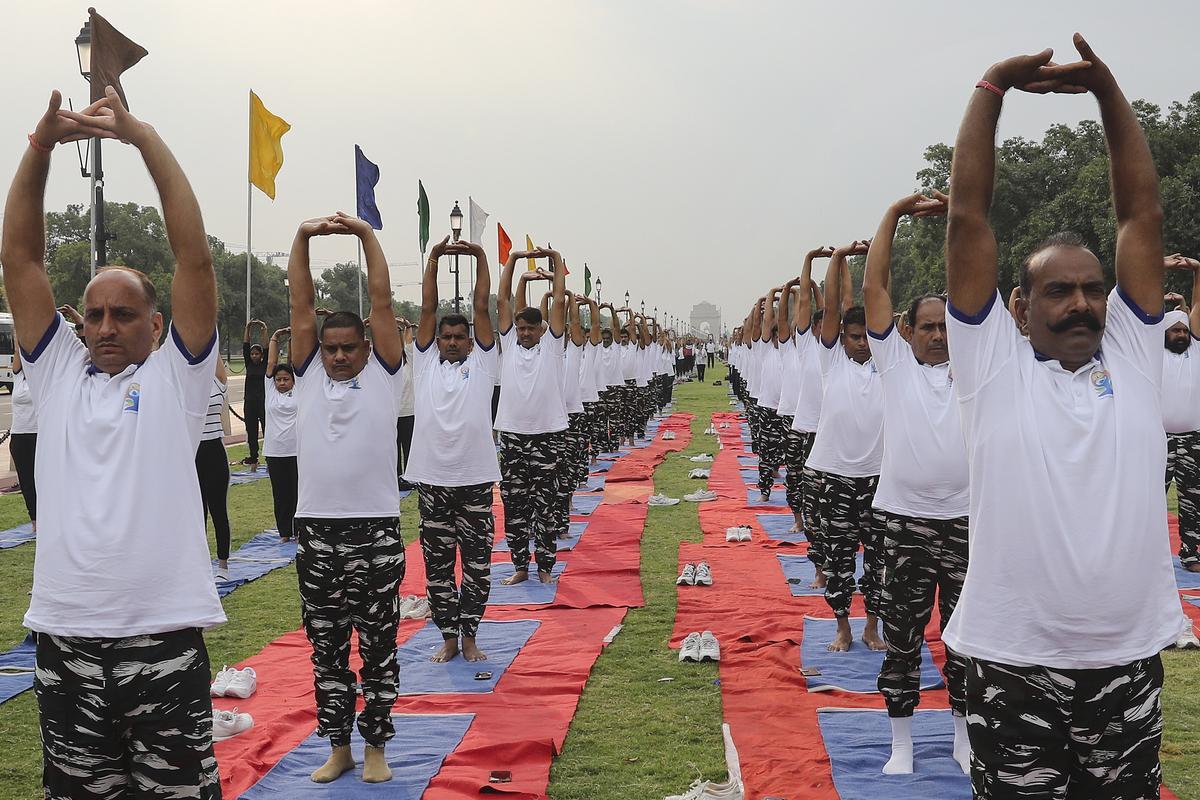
36,145
991,87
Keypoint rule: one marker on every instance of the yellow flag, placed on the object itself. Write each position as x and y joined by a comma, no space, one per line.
266,147
532,265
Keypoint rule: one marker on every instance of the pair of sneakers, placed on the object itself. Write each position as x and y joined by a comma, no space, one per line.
668,435
699,473
710,790
695,575
702,458
227,724
701,496
414,607
700,646
662,500
710,431
234,682
738,533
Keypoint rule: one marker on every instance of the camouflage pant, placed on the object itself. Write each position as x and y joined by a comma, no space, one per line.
645,408
771,444
796,447
597,432
628,410
350,572
812,484
1183,466
1073,734
531,488
575,468
847,520
457,522
611,400
753,419
125,718
920,557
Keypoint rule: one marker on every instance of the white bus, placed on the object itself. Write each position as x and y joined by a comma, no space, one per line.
8,342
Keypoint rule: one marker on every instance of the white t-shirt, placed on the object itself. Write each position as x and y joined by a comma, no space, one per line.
807,416
452,433
122,548
406,394
609,373
1070,560
346,441
24,414
849,438
641,363
588,392
279,438
770,379
924,472
213,427
531,385
1180,389
753,368
789,387
572,397
629,367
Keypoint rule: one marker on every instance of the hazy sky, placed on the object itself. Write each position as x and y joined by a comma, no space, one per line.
687,151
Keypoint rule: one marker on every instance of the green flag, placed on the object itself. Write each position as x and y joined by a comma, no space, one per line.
423,213
587,280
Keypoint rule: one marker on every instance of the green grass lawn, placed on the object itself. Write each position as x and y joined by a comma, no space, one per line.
634,736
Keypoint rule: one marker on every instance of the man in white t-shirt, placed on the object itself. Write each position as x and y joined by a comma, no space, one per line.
613,380
575,439
453,460
532,418
922,497
771,431
122,585
595,425
848,452
350,557
1181,412
1070,594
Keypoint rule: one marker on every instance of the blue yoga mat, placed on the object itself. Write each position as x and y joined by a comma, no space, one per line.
748,462
584,504
776,527
15,536
1183,578
576,531
16,669
613,456
602,466
262,554
855,670
800,572
247,476
595,483
778,498
530,592
502,641
422,743
859,743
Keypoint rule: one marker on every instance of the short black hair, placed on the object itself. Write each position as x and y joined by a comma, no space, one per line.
257,347
911,315
345,319
1060,239
283,368
452,320
530,314
817,316
855,315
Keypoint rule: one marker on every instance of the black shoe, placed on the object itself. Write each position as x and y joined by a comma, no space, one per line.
405,486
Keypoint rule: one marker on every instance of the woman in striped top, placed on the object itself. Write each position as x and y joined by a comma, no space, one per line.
212,469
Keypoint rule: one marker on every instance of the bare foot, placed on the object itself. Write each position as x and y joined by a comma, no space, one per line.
843,638
375,766
871,637
471,651
818,582
223,563
1192,567
520,576
449,650
546,577
339,761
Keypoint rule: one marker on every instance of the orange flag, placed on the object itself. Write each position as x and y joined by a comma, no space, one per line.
504,242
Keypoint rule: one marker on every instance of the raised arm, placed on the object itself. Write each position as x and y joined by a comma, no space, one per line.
593,317
575,317
1183,263
427,323
804,308
768,317
273,349
481,319
558,313
877,277
385,336
838,291
504,293
545,304
970,242
300,285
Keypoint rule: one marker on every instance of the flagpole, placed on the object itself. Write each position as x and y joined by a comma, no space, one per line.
360,307
249,198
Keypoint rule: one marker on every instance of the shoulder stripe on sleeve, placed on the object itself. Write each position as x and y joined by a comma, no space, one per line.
973,319
44,342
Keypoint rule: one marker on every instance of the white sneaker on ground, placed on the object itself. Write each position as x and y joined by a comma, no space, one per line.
744,534
243,683
687,577
227,724
728,790
733,534
703,457
695,792
690,649
406,606
221,682
709,649
702,575
222,574
701,496
420,609
1187,640
662,500
668,435
698,473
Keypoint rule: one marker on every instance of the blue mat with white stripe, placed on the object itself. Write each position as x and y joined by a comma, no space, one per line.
422,743
777,526
15,536
576,531
778,498
855,670
16,669
1185,579
531,592
800,572
584,504
501,641
262,554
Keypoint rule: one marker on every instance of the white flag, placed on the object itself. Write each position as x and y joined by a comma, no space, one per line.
478,220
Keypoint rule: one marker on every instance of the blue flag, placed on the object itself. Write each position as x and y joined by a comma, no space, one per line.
366,175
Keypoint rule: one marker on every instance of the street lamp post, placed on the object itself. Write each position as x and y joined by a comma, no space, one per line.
456,218
627,299
99,244
599,284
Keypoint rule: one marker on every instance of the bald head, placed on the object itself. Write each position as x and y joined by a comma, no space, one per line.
121,323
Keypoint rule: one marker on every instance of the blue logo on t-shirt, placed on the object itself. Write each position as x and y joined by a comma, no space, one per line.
1102,383
133,396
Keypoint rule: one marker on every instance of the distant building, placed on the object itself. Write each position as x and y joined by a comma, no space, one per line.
706,319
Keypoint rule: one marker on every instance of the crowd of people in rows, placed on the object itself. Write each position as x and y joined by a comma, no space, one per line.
1009,465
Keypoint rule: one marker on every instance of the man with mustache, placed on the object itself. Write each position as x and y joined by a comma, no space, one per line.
771,430
921,499
1181,412
847,453
1069,594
